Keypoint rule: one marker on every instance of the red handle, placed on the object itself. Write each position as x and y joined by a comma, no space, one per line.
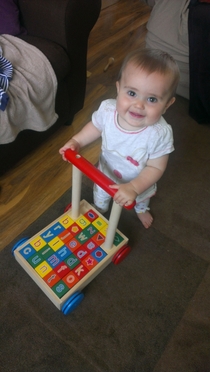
93,173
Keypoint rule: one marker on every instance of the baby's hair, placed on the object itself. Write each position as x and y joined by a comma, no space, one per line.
153,60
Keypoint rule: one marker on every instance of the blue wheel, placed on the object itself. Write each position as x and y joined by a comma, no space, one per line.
18,244
72,303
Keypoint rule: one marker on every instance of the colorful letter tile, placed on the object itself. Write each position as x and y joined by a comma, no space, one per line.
60,289
72,261
70,279
53,261
117,239
38,243
51,278
99,223
55,243
73,244
91,215
74,229
35,260
98,254
27,251
98,238
80,271
82,222
43,269
90,262
63,253
66,221
62,269
65,236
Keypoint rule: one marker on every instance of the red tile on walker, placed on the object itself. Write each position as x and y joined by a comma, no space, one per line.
81,252
80,271
73,244
62,269
90,245
89,262
91,215
98,238
70,279
65,236
74,229
51,278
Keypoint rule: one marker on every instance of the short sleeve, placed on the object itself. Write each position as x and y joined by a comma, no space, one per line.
161,140
104,114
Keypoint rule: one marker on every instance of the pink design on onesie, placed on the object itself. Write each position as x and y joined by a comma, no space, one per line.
117,173
133,161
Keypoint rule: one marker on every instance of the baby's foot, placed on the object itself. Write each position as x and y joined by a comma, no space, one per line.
146,219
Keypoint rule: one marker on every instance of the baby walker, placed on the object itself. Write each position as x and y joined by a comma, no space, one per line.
70,252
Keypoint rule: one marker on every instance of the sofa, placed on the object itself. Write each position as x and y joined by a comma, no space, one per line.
59,29
182,28
167,29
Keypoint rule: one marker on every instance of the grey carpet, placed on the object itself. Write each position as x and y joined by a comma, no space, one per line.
149,313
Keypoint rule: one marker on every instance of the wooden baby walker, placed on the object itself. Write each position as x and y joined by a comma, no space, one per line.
70,252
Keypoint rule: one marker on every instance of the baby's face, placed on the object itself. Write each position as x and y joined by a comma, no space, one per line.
142,98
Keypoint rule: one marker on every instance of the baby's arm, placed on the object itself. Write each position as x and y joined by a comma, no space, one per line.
127,192
88,134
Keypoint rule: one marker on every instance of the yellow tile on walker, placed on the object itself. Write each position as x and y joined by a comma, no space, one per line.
55,243
99,223
66,221
43,269
38,243
104,230
82,222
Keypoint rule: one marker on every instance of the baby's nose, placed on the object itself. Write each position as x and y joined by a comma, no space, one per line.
139,103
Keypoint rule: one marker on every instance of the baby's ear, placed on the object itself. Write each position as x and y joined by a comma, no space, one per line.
170,102
117,86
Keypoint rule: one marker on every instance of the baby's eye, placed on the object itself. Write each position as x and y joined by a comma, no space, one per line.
152,99
131,93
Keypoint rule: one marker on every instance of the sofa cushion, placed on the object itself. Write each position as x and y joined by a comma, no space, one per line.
9,18
168,30
168,27
55,53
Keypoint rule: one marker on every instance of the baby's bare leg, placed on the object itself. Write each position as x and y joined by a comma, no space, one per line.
145,218
101,199
143,213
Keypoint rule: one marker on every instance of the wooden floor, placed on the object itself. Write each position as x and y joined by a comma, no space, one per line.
40,179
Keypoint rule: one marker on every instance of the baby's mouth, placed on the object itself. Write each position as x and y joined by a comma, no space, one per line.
136,115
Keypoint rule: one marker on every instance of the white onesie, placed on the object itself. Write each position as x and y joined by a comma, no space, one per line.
125,153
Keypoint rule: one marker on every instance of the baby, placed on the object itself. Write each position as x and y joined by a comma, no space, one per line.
136,139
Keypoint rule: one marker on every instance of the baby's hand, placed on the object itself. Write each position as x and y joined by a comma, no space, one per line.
71,144
125,194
